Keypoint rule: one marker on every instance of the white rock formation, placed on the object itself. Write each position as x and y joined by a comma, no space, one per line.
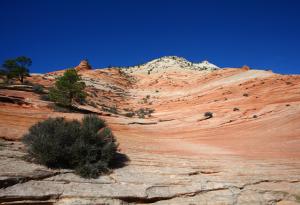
205,65
171,63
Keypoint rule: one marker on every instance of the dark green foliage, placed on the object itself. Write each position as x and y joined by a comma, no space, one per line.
22,69
113,109
45,97
88,147
16,68
89,170
146,99
129,114
93,123
93,104
38,88
208,115
142,112
50,141
59,108
236,109
1,145
68,89
8,69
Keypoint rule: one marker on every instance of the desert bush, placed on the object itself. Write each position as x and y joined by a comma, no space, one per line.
245,94
38,88
142,112
129,114
236,109
145,99
208,115
113,109
2,145
128,109
93,104
87,146
60,108
45,97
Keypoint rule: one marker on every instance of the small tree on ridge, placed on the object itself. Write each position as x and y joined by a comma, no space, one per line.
68,89
16,68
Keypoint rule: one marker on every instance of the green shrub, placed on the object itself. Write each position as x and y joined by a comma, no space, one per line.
129,114
45,97
60,108
1,145
87,146
142,112
38,88
93,104
208,115
68,89
113,109
236,109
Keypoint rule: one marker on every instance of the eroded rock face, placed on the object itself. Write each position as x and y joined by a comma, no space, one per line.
83,66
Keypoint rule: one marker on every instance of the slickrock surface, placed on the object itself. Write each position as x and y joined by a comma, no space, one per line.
247,153
153,178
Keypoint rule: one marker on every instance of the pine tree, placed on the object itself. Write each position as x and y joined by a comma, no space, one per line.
68,89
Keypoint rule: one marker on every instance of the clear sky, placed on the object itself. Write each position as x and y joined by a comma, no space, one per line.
56,34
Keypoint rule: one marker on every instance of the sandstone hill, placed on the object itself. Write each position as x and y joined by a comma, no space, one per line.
248,152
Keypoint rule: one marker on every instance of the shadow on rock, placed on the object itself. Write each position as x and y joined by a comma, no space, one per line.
120,160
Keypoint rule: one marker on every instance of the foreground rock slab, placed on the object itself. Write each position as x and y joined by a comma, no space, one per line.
152,179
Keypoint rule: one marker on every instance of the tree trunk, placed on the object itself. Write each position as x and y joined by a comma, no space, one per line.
21,78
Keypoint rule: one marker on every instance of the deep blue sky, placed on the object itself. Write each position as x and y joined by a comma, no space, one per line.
57,34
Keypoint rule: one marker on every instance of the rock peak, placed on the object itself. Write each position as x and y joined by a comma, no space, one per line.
83,65
171,63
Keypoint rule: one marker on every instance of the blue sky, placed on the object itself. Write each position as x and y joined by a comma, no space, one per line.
56,34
